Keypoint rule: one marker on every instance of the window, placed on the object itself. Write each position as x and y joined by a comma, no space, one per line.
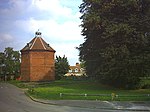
70,71
76,70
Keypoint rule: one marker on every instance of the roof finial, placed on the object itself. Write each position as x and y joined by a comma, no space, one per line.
38,33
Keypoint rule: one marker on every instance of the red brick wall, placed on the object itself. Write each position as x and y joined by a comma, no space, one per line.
41,66
25,66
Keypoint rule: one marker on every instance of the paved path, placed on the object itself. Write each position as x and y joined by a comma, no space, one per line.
13,99
113,105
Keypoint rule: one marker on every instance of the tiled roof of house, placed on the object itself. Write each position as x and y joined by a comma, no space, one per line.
77,66
76,70
37,43
74,67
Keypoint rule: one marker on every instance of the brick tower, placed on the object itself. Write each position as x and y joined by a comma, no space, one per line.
37,60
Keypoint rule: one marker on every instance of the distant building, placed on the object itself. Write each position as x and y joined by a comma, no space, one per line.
76,71
37,60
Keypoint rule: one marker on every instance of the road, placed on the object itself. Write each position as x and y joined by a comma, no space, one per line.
13,99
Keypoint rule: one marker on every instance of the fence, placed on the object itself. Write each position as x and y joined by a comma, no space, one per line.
112,96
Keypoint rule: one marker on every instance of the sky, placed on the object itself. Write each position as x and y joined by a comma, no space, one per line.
58,20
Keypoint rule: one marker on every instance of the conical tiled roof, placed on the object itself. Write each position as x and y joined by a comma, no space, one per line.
37,43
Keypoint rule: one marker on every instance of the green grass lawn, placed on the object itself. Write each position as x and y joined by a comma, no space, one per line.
82,90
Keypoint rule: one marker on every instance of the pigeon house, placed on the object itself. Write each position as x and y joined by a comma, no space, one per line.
37,60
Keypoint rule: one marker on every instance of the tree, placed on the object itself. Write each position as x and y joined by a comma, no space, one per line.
2,58
61,66
11,60
117,40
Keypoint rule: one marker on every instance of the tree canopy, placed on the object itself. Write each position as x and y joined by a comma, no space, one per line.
117,40
61,66
10,62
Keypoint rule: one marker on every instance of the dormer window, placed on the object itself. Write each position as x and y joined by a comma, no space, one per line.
76,69
70,71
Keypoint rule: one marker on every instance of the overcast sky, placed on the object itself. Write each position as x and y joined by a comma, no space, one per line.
58,20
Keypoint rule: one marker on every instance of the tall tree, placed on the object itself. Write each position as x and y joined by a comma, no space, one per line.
12,61
117,40
61,66
2,58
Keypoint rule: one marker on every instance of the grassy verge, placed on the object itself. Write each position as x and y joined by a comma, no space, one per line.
82,90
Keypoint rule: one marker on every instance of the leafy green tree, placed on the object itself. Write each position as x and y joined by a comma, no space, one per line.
11,61
117,40
82,64
2,58
61,66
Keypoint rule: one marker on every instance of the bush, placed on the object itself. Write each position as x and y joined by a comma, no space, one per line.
145,86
